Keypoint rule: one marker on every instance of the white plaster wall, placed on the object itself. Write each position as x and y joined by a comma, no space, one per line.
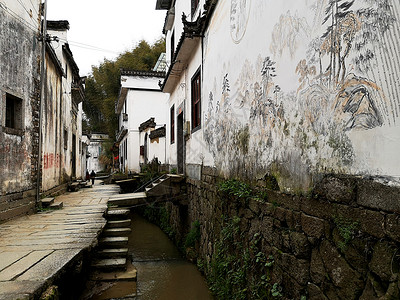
141,106
134,151
196,149
140,82
26,10
157,149
268,106
177,98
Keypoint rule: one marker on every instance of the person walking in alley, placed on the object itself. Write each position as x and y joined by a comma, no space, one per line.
87,175
92,176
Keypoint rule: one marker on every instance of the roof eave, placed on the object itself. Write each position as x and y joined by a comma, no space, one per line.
121,100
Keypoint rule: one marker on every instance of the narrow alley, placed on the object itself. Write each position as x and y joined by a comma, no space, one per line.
37,249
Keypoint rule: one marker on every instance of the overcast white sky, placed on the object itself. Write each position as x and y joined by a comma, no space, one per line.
115,26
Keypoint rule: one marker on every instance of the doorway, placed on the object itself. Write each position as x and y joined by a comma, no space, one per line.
73,156
180,146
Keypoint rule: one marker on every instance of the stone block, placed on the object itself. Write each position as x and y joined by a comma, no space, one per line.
318,208
336,188
347,281
372,289
299,245
287,201
254,206
314,292
293,220
317,269
382,258
312,226
372,222
267,209
296,268
280,213
369,221
392,226
375,195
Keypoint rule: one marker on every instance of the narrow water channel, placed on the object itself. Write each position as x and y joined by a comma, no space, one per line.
162,272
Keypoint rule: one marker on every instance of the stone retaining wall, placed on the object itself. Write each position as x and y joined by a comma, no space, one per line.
339,242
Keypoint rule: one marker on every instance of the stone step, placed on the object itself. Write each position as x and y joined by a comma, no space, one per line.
56,205
129,275
119,223
46,202
130,199
110,264
113,253
73,187
117,231
113,241
113,214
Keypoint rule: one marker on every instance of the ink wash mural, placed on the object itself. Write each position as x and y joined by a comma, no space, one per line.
304,88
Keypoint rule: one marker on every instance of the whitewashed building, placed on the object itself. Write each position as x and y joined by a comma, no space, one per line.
272,87
141,108
96,143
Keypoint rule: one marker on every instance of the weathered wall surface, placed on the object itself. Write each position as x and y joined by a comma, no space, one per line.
339,242
300,88
53,165
19,77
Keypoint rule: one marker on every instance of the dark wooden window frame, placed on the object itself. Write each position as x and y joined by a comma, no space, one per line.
172,121
172,45
196,100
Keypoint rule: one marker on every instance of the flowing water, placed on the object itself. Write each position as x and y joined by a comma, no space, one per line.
162,273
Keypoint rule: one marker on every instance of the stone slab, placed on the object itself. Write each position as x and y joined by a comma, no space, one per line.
129,275
129,196
8,258
113,241
57,205
110,263
47,201
18,289
50,266
117,231
23,265
117,213
115,252
119,223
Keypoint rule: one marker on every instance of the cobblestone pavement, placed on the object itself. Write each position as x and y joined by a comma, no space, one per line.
35,249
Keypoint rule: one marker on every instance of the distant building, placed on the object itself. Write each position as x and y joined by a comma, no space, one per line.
95,149
62,114
141,108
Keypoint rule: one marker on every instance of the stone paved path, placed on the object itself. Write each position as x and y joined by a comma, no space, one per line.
35,249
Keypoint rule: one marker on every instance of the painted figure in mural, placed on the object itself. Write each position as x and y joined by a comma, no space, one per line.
92,176
239,16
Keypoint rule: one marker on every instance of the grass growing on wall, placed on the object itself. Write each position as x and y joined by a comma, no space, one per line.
239,190
230,271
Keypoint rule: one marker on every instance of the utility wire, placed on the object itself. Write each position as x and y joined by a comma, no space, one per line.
34,8
86,46
23,6
18,18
